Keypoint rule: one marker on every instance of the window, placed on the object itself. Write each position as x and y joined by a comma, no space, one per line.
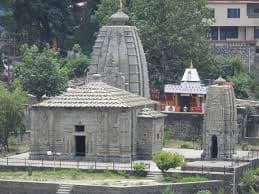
233,13
256,32
256,10
157,136
212,12
80,128
214,33
230,32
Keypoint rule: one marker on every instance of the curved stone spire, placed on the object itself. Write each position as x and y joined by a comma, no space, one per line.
118,55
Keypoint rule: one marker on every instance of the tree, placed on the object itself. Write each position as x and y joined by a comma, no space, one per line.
166,160
173,33
40,73
12,120
77,64
44,20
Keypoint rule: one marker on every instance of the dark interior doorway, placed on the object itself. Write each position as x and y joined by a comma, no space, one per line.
214,146
80,145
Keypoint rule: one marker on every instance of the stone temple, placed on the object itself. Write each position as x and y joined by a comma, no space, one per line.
220,122
119,57
98,122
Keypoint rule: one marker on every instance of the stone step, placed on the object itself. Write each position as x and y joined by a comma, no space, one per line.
64,189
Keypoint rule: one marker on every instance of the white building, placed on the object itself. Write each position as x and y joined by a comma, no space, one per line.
236,25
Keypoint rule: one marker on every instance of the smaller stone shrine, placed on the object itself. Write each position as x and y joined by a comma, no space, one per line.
220,122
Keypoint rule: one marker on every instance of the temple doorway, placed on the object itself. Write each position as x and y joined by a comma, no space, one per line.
214,146
80,145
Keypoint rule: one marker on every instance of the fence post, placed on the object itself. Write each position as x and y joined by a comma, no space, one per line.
7,161
25,162
77,164
202,168
95,164
42,163
60,163
113,165
224,169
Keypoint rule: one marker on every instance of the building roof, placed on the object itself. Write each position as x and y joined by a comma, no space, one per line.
185,89
191,75
94,95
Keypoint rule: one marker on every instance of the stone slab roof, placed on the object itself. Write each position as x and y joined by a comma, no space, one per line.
94,95
149,113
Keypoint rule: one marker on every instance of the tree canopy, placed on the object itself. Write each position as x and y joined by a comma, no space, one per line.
40,73
12,120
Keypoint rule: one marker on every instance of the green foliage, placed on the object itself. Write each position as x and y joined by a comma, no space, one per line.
192,179
44,20
40,73
12,120
166,160
173,32
168,190
187,145
76,66
204,192
242,83
140,169
248,181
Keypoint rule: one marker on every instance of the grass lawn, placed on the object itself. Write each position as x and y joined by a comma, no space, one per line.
76,176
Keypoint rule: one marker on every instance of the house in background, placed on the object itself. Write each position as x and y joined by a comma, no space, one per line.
235,30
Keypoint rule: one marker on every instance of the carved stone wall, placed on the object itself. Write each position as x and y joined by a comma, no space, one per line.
118,55
108,133
220,123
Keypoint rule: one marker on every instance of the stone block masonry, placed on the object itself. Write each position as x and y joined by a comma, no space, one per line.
17,187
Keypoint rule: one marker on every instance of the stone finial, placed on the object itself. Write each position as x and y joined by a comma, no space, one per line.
119,18
191,65
220,81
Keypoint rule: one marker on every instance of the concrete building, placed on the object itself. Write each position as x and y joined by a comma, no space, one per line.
119,56
235,30
96,122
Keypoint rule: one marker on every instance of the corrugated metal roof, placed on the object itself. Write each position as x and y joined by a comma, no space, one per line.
95,94
185,89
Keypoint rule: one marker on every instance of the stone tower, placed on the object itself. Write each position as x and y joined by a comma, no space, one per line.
220,122
118,55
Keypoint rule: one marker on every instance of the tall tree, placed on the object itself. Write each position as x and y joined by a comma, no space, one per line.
173,33
12,120
44,20
40,73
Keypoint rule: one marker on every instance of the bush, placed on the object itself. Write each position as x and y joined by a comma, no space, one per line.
166,160
187,145
204,192
139,169
249,181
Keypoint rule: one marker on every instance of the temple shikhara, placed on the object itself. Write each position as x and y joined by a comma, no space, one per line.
189,96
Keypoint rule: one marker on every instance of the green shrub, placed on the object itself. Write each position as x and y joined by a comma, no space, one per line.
245,146
139,169
248,181
166,160
187,145
204,192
